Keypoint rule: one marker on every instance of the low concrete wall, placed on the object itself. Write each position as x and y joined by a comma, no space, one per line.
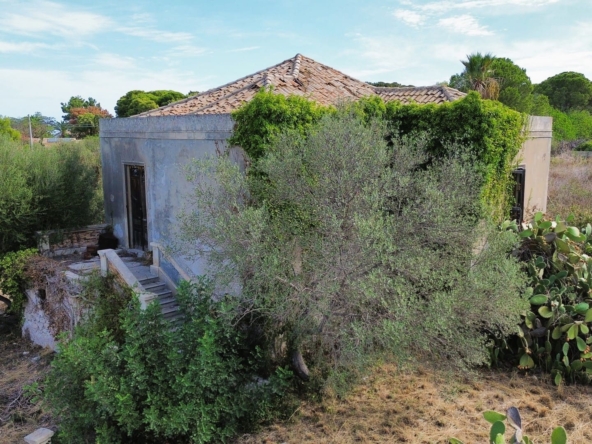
163,146
57,243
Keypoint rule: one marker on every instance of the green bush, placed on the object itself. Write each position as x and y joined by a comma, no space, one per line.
13,278
131,377
356,250
586,146
262,119
491,131
555,333
47,188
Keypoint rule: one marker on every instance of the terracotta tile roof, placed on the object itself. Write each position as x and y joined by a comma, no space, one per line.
302,76
421,94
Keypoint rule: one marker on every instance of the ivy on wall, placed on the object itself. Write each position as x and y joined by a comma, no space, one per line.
493,132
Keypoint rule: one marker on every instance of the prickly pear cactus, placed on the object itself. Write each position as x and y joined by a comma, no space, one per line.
512,417
555,334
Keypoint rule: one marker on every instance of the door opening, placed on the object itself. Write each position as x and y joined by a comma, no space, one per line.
517,212
136,207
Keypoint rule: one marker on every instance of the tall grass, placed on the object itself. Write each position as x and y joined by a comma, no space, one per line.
570,188
42,188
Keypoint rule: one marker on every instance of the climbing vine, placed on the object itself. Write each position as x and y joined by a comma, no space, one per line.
493,132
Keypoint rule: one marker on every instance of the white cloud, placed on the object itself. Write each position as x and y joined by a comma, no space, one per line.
186,51
411,18
446,5
248,48
383,55
22,47
26,91
156,35
44,17
115,61
464,24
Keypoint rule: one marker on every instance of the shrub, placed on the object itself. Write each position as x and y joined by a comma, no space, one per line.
47,188
262,119
586,146
490,130
13,278
130,377
555,333
356,250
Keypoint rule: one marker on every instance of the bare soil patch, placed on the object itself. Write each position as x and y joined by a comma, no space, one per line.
21,363
427,406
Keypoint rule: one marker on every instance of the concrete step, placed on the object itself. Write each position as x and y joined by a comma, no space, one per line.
165,292
174,317
168,309
167,299
149,280
154,286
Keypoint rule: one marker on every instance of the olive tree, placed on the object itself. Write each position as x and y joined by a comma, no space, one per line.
344,248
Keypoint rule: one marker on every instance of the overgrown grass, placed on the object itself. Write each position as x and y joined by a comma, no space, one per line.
570,188
429,407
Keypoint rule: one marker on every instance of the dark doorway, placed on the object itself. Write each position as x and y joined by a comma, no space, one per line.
136,206
519,175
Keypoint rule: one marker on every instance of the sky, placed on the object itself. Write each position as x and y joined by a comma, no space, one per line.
52,50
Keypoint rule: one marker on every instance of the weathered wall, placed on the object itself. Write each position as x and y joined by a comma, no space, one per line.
535,156
56,243
163,145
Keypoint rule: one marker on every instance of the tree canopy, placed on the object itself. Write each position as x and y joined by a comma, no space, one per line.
41,126
76,102
85,120
515,85
137,101
478,75
7,130
567,91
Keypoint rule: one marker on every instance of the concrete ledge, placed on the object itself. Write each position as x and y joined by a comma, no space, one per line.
169,135
39,436
203,123
111,261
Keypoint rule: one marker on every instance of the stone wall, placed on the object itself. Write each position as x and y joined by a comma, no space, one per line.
59,243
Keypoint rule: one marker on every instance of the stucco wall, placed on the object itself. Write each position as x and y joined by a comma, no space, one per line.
163,145
535,156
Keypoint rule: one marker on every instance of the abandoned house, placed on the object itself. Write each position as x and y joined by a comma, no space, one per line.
142,156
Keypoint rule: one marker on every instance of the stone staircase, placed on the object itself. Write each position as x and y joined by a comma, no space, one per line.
167,300
149,281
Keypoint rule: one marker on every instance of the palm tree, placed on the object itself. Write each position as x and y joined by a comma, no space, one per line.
478,76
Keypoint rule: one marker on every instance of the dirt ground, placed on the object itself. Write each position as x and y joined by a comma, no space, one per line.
425,406
21,364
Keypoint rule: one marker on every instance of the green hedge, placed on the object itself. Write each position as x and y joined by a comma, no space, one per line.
492,131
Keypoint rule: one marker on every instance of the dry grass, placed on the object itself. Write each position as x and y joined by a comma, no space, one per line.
570,188
430,407
21,363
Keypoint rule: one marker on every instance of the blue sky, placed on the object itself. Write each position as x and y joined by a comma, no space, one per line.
51,50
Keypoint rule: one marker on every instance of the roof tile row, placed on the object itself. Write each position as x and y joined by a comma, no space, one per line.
301,76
